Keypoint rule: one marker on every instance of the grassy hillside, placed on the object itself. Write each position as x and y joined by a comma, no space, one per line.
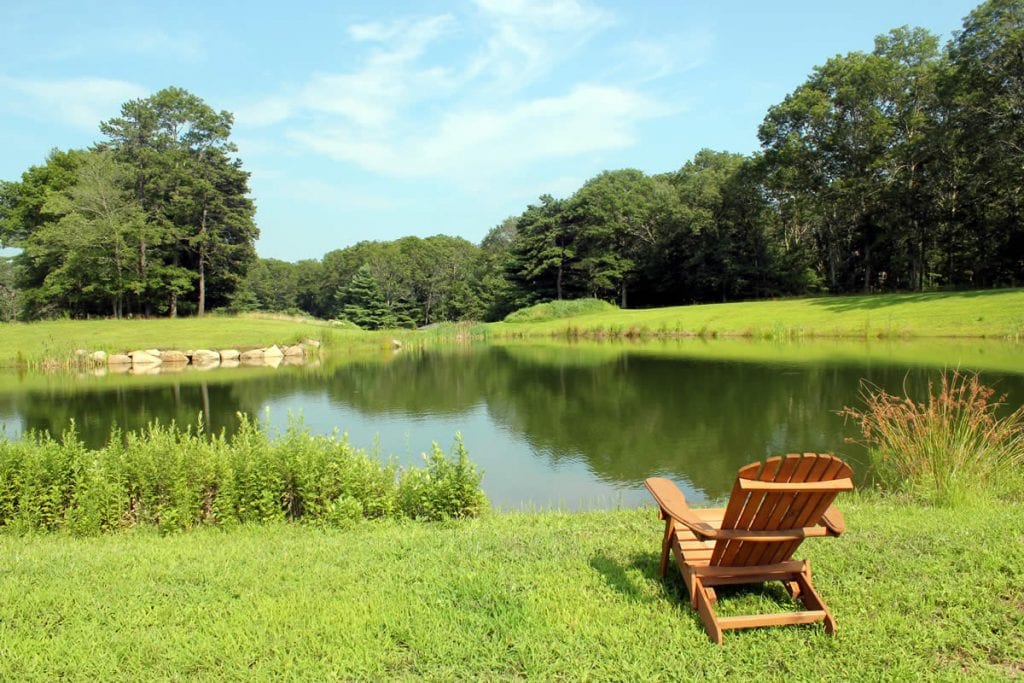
917,593
998,313
58,339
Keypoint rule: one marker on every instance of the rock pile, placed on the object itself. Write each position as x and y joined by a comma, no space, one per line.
168,359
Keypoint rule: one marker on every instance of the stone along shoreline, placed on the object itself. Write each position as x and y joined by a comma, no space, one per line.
156,360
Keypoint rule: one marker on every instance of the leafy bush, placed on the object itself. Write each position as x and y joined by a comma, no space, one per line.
555,310
445,488
948,449
175,478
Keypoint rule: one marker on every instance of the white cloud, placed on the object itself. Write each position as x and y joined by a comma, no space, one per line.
469,98
529,37
471,143
390,80
82,102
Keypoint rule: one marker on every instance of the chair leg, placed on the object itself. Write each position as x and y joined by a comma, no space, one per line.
794,589
666,546
812,601
704,601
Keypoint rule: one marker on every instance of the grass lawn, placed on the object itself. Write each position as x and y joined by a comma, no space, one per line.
994,313
58,339
918,593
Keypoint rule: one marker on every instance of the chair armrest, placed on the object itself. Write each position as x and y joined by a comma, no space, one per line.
673,504
833,520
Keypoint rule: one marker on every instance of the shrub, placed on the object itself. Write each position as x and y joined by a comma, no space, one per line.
555,310
175,478
947,449
445,488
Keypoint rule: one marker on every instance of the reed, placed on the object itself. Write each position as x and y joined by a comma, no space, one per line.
957,444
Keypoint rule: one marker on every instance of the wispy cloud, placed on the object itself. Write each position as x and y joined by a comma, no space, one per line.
527,38
653,58
417,107
469,142
81,102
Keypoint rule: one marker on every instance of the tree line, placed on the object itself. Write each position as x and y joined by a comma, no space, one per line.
154,220
901,168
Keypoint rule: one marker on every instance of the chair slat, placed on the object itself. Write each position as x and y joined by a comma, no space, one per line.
810,510
738,551
804,466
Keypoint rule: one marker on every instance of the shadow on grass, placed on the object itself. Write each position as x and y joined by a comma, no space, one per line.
622,577
868,302
746,598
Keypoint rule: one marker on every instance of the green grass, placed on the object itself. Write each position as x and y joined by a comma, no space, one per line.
556,310
56,341
993,313
995,355
917,592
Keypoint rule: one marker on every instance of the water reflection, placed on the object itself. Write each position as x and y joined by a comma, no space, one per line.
550,426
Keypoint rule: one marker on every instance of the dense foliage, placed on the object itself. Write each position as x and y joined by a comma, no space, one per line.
177,478
898,169
154,220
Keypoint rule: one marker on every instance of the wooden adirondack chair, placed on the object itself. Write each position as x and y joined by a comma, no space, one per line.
774,506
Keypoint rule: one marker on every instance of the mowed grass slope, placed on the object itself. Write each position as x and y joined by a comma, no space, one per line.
992,313
918,593
57,340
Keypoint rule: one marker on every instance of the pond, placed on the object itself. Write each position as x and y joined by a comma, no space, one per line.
573,426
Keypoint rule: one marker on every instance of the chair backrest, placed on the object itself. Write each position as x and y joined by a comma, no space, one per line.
753,509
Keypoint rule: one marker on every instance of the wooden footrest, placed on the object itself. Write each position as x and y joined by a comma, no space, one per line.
780,619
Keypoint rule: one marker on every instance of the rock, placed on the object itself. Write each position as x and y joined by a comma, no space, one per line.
120,368
144,358
294,360
145,369
119,359
229,363
205,357
293,351
273,352
229,354
254,357
154,352
272,361
80,353
98,357
312,343
395,344
175,357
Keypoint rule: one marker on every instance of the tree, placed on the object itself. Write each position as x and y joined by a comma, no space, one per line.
986,92
191,188
366,305
846,148
9,295
544,250
89,247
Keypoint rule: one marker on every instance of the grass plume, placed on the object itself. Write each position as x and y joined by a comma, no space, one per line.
950,447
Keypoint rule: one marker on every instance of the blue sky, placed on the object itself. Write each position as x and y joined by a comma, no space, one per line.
362,120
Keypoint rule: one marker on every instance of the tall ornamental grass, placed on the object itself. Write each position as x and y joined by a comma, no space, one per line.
959,443
175,478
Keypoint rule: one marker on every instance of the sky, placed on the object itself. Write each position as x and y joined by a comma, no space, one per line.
377,120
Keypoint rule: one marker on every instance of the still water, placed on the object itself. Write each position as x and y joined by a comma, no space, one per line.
551,426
